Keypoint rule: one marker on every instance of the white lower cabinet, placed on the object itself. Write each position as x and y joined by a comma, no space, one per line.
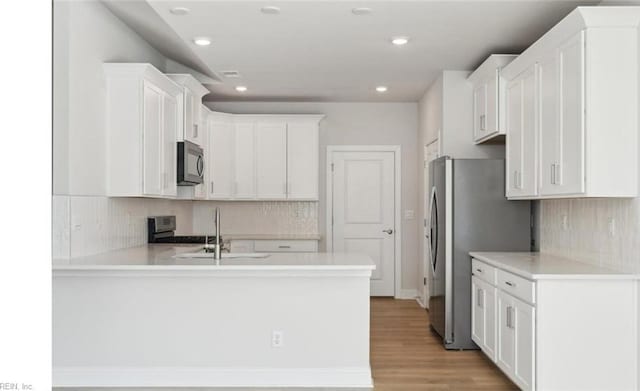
557,331
483,316
516,354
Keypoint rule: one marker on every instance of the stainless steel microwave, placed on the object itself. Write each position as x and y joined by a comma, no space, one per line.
190,164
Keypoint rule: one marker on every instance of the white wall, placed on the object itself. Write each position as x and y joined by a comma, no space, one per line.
85,222
360,124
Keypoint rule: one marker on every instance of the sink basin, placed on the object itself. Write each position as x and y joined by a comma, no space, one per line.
202,254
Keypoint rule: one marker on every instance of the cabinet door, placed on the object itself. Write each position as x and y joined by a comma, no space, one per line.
152,138
477,312
490,317
524,351
491,121
480,111
200,191
548,116
569,171
521,135
221,160
302,161
271,160
506,334
514,137
527,179
189,120
244,161
170,125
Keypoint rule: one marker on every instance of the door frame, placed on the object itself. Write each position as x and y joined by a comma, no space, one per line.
397,153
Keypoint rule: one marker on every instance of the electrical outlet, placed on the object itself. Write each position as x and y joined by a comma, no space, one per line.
409,214
277,339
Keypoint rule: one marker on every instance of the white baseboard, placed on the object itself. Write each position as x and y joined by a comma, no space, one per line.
357,377
420,302
407,294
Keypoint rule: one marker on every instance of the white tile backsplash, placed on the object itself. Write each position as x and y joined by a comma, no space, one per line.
257,217
85,225
588,237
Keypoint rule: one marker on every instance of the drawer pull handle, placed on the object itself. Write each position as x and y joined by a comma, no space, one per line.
479,270
284,246
511,284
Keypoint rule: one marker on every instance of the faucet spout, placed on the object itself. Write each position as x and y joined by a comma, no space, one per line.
217,254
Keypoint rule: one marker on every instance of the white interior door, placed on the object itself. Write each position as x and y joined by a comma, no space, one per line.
363,186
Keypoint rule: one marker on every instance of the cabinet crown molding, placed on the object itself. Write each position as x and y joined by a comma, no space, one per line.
187,80
143,71
579,19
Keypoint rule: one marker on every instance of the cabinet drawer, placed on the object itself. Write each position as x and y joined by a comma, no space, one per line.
483,271
241,246
517,286
283,246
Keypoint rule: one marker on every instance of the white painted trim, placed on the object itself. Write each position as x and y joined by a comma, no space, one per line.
407,294
356,377
421,302
131,271
397,151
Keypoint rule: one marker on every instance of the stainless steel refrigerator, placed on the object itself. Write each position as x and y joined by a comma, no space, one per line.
468,212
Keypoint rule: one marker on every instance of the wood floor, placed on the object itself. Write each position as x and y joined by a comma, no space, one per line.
406,355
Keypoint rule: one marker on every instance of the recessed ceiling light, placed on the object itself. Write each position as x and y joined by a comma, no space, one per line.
399,41
381,89
179,10
361,11
202,41
241,88
270,10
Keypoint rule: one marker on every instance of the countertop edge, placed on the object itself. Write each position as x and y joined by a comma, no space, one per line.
615,275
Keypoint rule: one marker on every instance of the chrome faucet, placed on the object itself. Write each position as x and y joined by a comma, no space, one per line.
217,253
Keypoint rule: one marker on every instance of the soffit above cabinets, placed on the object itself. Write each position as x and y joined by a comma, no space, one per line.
322,51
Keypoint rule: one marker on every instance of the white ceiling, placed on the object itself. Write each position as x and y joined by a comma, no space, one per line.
321,51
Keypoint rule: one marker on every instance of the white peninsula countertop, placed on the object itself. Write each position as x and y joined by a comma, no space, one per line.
540,266
166,258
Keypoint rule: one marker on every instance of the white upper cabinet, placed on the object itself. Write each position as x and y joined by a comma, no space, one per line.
302,159
190,108
220,157
259,157
521,121
244,185
586,106
488,98
142,121
271,159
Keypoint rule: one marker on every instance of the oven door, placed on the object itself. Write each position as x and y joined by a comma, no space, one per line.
190,164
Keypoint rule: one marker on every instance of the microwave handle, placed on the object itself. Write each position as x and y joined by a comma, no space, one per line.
200,165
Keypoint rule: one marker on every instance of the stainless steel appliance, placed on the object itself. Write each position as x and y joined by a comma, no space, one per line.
468,212
161,229
190,164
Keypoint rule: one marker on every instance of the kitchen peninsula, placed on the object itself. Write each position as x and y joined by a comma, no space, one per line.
147,317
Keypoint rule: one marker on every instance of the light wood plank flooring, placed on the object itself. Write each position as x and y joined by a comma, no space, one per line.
406,355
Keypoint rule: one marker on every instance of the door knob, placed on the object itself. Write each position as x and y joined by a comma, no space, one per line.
388,231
